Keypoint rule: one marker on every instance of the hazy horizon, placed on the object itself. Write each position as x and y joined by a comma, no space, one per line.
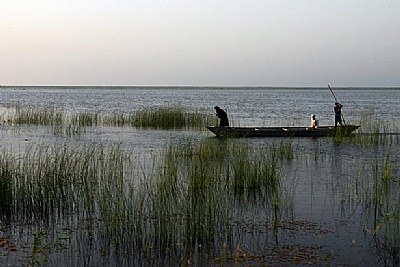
273,43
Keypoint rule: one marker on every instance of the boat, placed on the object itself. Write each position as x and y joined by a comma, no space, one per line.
292,131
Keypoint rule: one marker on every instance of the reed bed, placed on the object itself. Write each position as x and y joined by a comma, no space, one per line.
384,204
158,118
86,118
376,132
170,118
376,188
38,116
164,216
6,181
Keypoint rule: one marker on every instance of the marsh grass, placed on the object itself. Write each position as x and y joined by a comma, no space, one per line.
42,249
170,118
158,118
386,208
377,189
187,202
6,183
67,130
86,118
376,132
38,116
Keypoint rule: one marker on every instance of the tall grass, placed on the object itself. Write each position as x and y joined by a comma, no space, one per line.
6,183
385,205
377,191
375,131
87,119
163,217
170,118
159,118
38,116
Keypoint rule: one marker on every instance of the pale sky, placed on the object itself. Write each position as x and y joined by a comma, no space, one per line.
200,42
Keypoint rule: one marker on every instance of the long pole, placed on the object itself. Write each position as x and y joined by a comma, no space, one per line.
332,93
344,122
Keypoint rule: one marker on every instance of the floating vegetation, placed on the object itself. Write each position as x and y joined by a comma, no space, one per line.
293,254
7,244
299,254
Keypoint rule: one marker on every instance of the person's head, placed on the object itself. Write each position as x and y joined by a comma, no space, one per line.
312,116
336,103
217,108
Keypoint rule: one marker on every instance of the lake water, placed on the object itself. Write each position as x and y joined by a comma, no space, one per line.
245,106
326,208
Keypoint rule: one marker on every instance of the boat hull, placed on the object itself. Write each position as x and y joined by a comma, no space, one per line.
322,131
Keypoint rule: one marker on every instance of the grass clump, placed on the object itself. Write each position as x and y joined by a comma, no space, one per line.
6,183
170,118
158,118
38,116
376,132
86,119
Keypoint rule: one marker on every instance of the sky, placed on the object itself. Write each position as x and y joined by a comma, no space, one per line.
301,43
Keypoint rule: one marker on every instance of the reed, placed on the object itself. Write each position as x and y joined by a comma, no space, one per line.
170,118
38,116
6,180
378,190
164,216
83,119
285,150
159,118
376,132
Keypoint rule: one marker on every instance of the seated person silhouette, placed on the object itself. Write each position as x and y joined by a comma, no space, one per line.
314,122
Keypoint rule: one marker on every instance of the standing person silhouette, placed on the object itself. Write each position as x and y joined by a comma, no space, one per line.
223,117
338,113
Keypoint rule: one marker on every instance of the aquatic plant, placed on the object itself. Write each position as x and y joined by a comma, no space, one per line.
285,150
42,248
159,118
38,116
375,132
6,180
86,119
170,118
378,191
184,203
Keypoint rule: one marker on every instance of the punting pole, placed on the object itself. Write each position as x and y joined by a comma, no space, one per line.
344,122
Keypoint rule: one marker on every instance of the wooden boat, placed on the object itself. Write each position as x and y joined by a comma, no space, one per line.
321,131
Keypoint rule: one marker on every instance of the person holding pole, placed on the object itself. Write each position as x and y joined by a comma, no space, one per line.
338,110
338,113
